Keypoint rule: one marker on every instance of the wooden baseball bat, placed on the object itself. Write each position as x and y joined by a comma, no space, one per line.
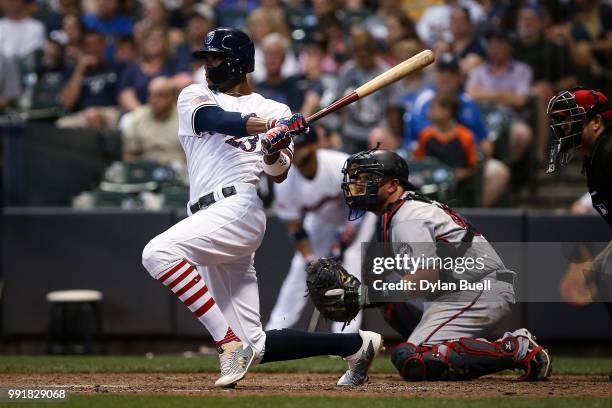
416,62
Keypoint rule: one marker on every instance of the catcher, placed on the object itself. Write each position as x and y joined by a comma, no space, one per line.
447,343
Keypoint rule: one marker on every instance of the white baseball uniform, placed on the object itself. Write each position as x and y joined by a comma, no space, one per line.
222,238
451,316
319,203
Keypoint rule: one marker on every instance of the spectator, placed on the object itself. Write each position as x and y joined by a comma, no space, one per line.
180,16
262,22
505,85
465,45
298,92
109,18
435,22
448,83
451,143
71,37
360,117
378,24
198,25
589,38
91,88
592,30
154,61
354,12
151,134
551,63
52,62
126,51
411,86
338,46
9,83
20,35
400,28
49,14
154,14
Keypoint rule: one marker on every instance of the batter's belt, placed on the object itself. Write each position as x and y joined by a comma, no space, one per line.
208,199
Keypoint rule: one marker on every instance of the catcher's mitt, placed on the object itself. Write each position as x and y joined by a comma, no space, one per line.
335,292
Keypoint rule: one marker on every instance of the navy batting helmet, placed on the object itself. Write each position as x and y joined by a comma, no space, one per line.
239,53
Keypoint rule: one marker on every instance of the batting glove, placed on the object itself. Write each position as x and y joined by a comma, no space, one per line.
275,139
295,123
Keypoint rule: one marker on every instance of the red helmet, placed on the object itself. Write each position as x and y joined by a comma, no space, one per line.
569,111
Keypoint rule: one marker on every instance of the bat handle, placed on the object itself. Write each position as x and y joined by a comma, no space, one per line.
345,100
265,144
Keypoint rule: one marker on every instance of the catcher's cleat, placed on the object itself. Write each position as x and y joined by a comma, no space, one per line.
360,362
235,358
538,362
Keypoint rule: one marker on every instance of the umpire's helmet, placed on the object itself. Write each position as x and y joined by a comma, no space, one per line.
569,111
361,192
239,53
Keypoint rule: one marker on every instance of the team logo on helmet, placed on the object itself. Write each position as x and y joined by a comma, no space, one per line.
209,38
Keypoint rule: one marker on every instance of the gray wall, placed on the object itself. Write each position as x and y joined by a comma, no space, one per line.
49,249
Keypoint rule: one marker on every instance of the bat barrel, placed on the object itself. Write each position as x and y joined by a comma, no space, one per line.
414,63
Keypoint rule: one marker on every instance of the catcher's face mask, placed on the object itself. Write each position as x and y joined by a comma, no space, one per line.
360,186
567,120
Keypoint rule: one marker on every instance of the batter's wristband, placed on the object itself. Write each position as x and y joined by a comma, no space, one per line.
280,166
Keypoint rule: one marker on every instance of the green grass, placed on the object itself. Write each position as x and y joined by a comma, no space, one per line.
94,401
161,364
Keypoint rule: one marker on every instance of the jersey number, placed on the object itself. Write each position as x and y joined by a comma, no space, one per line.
245,143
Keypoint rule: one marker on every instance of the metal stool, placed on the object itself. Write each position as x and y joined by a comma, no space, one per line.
76,322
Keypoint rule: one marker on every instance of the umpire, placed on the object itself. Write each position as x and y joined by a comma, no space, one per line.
581,119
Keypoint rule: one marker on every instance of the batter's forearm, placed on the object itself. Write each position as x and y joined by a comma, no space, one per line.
256,125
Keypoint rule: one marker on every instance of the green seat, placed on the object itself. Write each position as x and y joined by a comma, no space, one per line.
175,196
433,178
107,199
137,176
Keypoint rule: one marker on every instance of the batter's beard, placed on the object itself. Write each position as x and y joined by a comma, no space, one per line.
224,86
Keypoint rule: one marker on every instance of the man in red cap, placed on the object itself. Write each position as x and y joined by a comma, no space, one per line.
581,119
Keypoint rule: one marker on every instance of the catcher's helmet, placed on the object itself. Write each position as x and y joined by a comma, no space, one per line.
239,53
569,111
361,192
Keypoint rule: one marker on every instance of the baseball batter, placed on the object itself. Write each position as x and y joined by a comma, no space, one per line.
313,208
447,343
230,135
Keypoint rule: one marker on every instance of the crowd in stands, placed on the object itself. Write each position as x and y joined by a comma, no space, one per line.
479,110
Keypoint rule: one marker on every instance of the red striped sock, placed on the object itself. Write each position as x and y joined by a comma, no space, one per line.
229,336
187,284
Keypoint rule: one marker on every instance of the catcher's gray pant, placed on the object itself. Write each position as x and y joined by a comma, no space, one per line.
446,319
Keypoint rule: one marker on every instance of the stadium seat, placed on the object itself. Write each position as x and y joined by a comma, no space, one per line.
433,178
76,322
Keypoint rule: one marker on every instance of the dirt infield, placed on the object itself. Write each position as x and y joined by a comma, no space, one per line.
265,384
